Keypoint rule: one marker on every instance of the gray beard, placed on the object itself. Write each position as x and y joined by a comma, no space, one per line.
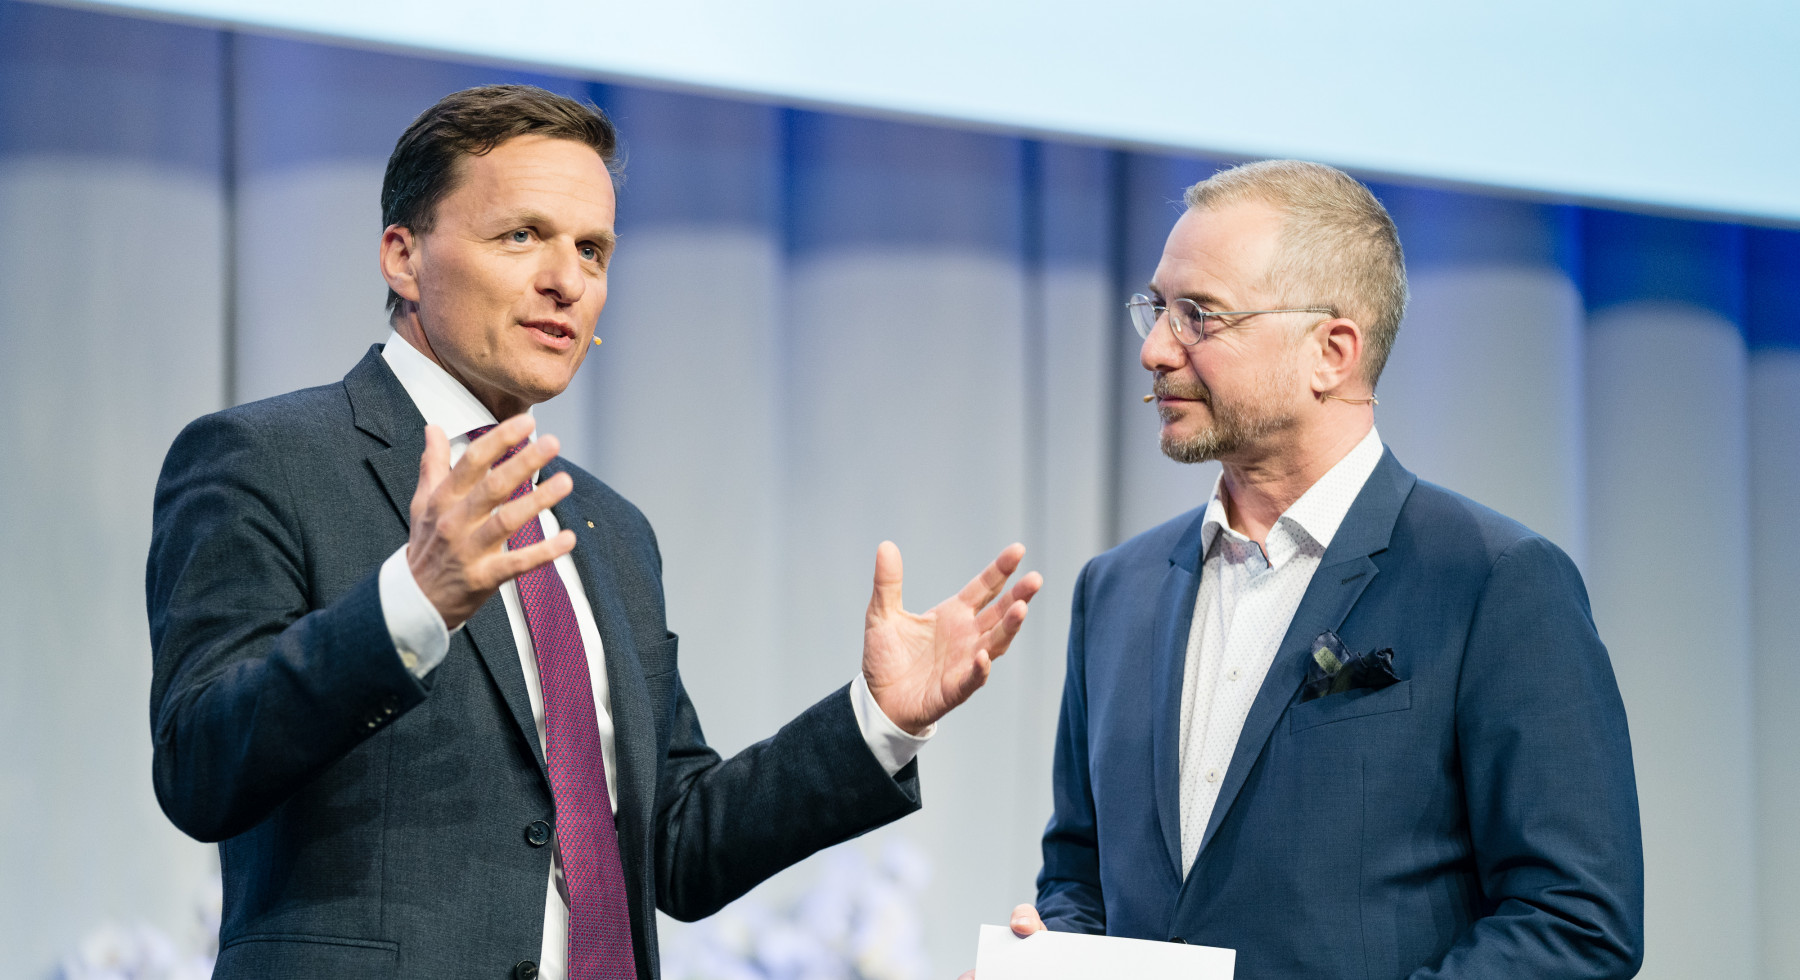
1233,429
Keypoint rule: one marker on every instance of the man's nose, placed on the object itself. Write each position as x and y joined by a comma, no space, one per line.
560,275
1161,352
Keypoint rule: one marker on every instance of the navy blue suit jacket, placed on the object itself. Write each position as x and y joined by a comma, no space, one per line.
371,824
1476,819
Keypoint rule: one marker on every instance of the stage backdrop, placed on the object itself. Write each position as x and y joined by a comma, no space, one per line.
825,331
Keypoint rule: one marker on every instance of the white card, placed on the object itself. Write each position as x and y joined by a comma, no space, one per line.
1000,955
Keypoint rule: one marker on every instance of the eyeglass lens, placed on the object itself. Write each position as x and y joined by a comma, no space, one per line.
1184,318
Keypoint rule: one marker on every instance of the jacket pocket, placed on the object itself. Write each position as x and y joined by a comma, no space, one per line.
1350,704
305,955
657,659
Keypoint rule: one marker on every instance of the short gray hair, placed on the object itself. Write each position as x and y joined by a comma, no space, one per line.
1338,246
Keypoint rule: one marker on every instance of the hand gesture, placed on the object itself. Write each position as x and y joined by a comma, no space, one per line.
461,517
921,666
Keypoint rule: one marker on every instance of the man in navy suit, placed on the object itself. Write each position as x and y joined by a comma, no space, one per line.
411,668
1341,720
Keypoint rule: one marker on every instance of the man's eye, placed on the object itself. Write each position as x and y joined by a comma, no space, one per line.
590,254
521,236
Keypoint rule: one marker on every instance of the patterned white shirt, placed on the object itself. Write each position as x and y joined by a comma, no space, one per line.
1246,600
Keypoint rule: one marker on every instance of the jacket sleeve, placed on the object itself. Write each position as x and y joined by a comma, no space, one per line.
1547,772
255,686
723,826
1069,898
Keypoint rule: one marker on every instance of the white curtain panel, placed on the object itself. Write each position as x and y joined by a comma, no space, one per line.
112,333
1669,560
1772,287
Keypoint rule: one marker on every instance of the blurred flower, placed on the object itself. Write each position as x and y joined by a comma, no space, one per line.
860,920
144,952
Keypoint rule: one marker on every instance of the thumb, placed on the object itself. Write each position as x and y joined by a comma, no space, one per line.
1025,921
886,599
434,463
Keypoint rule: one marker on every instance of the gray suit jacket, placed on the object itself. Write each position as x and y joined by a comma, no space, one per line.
374,825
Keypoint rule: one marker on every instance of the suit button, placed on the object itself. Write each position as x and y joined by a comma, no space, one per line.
1178,939
537,834
525,970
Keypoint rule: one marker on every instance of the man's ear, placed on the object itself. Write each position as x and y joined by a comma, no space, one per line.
1338,370
400,261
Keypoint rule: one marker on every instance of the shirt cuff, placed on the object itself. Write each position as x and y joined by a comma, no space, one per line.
413,622
893,746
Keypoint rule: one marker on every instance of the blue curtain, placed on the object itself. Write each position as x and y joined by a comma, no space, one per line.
823,331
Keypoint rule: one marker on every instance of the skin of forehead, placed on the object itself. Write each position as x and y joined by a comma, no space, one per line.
1219,257
494,186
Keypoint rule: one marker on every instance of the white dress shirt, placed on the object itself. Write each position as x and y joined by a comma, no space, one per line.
420,635
1246,601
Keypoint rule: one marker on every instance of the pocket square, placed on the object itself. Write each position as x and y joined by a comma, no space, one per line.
1333,669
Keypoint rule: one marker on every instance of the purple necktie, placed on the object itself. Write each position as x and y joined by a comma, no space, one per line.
599,915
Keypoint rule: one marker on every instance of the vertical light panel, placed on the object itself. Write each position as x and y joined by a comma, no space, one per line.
1149,487
681,399
1073,321
110,319
903,410
1772,324
1668,552
1483,390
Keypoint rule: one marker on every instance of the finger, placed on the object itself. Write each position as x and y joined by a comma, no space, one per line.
505,479
507,476
999,639
505,566
888,573
1025,921
514,514
972,676
487,450
434,466
1022,591
982,589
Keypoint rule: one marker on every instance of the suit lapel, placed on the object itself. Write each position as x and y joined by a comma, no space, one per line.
634,735
1343,573
383,409
1174,618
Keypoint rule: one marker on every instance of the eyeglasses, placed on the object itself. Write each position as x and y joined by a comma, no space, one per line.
1188,322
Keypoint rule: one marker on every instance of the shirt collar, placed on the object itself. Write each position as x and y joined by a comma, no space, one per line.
1319,511
440,398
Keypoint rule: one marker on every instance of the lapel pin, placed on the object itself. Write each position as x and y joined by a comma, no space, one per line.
590,524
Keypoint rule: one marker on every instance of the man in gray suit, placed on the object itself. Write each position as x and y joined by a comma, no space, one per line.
411,668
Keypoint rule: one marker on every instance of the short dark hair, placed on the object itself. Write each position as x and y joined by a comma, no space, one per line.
423,168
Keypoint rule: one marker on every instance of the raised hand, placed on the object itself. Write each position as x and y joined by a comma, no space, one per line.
461,517
919,666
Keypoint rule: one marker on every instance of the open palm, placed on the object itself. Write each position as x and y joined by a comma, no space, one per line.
921,665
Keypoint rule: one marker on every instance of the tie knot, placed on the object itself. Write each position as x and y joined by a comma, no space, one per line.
482,430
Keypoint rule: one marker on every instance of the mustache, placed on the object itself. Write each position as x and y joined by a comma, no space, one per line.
1166,387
